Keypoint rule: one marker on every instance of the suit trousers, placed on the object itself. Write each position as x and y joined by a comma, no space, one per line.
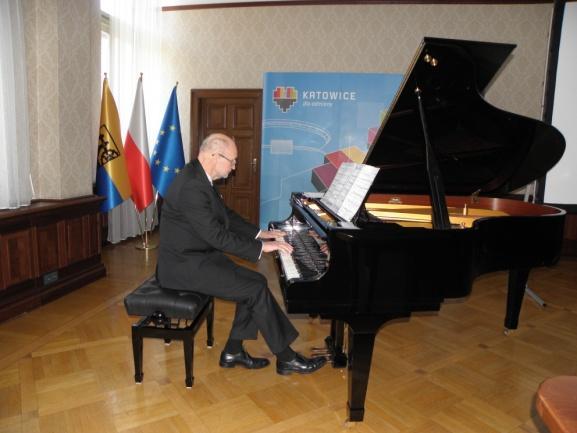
256,308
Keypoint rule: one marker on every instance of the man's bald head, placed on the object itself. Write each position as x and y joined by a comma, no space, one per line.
217,155
216,142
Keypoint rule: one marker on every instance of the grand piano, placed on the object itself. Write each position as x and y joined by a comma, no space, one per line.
431,222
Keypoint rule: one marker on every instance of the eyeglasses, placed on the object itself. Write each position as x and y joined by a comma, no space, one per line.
232,161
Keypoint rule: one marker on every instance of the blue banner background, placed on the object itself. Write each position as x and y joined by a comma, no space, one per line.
323,112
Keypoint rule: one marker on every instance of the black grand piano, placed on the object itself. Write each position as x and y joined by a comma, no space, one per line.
430,223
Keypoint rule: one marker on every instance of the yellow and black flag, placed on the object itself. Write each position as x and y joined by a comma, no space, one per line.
111,175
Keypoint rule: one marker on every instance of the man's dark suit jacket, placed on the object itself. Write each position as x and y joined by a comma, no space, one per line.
196,229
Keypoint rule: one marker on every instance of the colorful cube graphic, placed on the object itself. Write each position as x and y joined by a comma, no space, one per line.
323,175
372,135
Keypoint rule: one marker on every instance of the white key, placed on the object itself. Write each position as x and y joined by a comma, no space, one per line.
288,264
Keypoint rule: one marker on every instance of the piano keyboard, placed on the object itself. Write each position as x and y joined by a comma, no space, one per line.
288,265
307,260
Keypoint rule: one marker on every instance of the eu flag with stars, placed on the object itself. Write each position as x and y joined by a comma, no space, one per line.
168,157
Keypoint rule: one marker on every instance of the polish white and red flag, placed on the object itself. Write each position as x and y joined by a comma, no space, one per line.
136,153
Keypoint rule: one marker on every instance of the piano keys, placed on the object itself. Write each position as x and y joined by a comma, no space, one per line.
395,258
308,260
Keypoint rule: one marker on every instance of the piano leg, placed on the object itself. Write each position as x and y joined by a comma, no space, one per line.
361,342
517,283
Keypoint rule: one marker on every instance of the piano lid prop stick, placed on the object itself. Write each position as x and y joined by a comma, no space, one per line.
440,214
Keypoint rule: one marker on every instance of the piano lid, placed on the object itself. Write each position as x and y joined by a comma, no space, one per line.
478,146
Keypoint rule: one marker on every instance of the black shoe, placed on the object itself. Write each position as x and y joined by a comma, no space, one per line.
299,364
230,360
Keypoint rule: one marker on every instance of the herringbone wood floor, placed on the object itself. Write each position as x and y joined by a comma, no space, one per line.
67,366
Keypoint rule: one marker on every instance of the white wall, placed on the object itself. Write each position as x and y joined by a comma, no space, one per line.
233,47
561,183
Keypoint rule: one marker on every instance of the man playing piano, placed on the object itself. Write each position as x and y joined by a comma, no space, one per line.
196,230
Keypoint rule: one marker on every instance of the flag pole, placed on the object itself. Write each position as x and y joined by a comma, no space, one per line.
154,210
139,247
144,232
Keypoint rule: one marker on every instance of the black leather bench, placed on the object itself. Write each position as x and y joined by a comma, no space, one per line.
163,310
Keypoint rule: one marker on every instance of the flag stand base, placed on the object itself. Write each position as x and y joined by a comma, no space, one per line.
145,245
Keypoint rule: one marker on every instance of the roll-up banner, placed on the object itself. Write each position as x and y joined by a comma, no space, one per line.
312,123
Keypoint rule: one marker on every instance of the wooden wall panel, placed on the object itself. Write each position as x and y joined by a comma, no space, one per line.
75,240
16,251
92,231
47,249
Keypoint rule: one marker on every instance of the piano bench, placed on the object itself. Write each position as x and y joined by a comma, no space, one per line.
163,310
556,403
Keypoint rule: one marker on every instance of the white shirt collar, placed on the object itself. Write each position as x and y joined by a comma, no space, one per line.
209,179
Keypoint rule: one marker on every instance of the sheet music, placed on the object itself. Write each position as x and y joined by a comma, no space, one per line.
349,188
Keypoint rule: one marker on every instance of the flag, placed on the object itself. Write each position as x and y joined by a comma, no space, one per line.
136,151
111,176
168,156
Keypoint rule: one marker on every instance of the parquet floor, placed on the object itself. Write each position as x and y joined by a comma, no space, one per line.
67,366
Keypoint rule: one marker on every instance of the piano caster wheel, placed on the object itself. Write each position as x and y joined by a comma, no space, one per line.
507,331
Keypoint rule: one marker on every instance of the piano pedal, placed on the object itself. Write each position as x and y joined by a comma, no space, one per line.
338,360
317,352
321,352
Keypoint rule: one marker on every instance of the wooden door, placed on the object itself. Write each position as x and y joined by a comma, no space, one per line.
236,113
